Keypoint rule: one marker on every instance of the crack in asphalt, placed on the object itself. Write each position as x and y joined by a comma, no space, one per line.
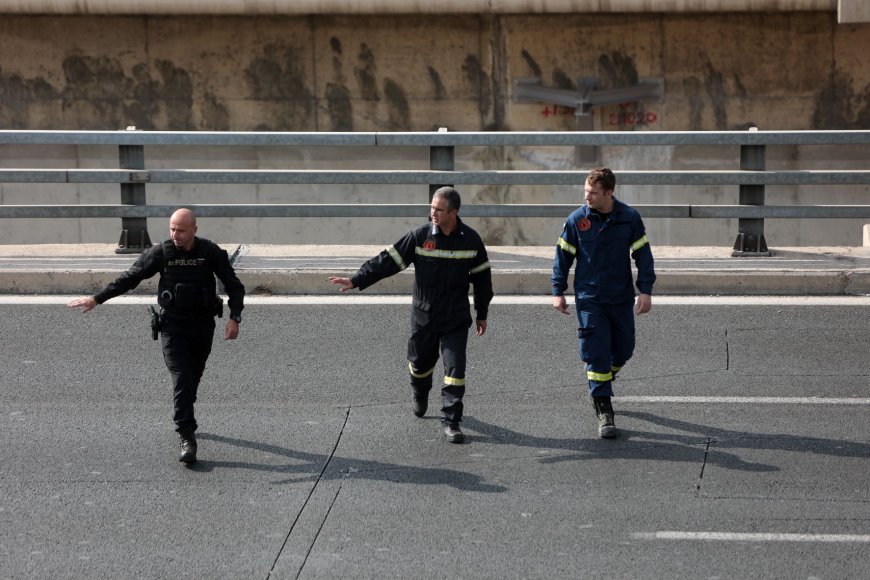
305,504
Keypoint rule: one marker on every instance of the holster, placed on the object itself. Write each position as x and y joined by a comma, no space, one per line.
156,323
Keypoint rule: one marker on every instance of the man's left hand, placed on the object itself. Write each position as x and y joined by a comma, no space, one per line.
643,304
480,327
232,330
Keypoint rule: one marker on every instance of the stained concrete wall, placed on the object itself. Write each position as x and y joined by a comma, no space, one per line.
799,70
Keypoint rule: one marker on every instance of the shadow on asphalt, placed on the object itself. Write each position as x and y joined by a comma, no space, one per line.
310,467
641,444
727,438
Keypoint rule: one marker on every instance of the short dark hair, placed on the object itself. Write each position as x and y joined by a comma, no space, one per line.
603,176
449,194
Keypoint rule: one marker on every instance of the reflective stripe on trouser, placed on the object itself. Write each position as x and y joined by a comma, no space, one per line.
423,350
186,345
607,340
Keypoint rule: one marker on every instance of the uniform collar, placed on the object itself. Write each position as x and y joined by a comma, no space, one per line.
458,231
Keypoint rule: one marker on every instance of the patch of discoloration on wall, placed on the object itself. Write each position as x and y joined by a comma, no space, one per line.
278,75
215,116
143,111
338,103
562,80
709,91
398,110
617,70
438,90
365,74
339,107
176,95
17,95
534,67
714,85
692,88
479,81
500,78
98,93
95,78
839,106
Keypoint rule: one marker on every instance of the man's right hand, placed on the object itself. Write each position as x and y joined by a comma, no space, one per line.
560,304
345,283
85,304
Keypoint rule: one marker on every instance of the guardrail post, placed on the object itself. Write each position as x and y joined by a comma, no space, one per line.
750,238
134,231
441,158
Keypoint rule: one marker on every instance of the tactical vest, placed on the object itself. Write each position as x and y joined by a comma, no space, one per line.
187,285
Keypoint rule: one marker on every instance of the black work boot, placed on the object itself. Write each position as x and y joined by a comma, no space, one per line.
188,449
604,412
453,433
421,403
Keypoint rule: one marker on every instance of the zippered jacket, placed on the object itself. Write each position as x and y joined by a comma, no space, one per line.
603,251
196,268
444,267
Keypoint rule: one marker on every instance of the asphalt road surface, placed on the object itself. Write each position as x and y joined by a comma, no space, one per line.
743,454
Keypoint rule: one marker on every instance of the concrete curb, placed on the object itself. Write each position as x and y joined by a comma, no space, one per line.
505,282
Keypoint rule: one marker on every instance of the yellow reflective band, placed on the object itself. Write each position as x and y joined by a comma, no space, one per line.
640,243
450,254
419,376
454,381
397,258
614,369
602,377
566,246
480,268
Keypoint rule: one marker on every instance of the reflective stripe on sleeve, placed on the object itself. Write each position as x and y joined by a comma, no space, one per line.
454,381
417,375
640,243
481,268
449,254
566,246
600,377
397,258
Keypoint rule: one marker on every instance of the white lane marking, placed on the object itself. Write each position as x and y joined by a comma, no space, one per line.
752,537
365,299
746,400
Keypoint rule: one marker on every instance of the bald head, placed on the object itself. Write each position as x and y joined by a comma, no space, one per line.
183,215
182,229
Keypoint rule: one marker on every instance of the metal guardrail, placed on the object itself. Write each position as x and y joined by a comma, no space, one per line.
132,176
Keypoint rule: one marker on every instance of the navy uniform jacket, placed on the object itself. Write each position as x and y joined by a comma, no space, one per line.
444,267
603,250
151,262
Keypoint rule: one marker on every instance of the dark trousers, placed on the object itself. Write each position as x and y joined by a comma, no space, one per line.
607,340
423,348
186,345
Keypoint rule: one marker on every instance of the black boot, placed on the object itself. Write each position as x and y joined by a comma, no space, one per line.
421,403
188,449
604,412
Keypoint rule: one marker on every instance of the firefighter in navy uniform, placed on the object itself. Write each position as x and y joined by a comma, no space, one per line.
603,236
447,256
188,297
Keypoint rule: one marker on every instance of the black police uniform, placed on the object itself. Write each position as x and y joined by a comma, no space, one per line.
444,266
188,296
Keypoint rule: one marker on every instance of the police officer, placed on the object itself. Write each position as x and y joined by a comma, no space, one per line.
447,256
602,236
188,297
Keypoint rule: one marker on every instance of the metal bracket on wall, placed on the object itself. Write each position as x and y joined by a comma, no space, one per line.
529,90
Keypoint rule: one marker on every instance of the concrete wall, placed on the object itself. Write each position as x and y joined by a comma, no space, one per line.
798,70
